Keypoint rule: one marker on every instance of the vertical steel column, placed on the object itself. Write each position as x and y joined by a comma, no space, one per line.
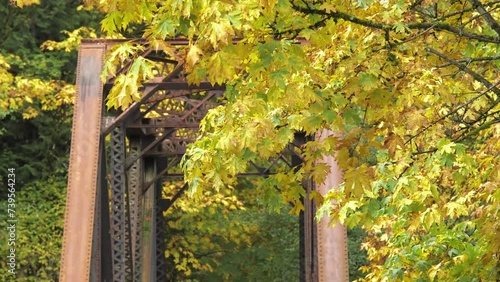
106,254
136,198
310,246
95,263
120,224
83,168
332,242
308,266
101,264
161,261
149,224
153,250
101,267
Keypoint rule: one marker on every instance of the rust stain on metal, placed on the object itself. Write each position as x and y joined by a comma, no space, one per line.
84,156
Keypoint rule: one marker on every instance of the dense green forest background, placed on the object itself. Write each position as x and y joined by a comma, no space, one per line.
251,243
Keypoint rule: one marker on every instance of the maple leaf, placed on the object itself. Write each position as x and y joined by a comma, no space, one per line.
193,56
393,142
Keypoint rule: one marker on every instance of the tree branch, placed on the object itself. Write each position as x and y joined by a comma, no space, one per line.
296,31
471,60
430,151
415,4
455,30
464,11
387,27
449,114
486,15
413,37
477,130
465,69
340,15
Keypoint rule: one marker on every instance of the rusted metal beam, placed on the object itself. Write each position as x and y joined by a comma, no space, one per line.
120,216
157,141
332,242
153,250
148,255
162,173
307,240
170,123
135,107
134,178
83,167
101,263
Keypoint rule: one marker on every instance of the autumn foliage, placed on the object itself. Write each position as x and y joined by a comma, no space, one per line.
410,86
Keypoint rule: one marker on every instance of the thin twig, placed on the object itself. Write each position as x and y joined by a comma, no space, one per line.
384,26
476,130
464,11
471,60
424,152
450,113
415,36
486,15
465,69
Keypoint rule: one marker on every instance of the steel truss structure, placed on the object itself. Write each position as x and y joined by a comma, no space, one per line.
114,229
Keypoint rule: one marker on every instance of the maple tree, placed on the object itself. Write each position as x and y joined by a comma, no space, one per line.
411,88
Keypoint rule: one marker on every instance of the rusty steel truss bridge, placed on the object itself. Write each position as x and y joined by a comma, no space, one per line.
114,227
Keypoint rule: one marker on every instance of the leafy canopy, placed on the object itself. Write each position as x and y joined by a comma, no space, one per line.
411,88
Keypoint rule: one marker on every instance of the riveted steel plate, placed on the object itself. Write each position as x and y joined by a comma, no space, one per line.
332,242
83,168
